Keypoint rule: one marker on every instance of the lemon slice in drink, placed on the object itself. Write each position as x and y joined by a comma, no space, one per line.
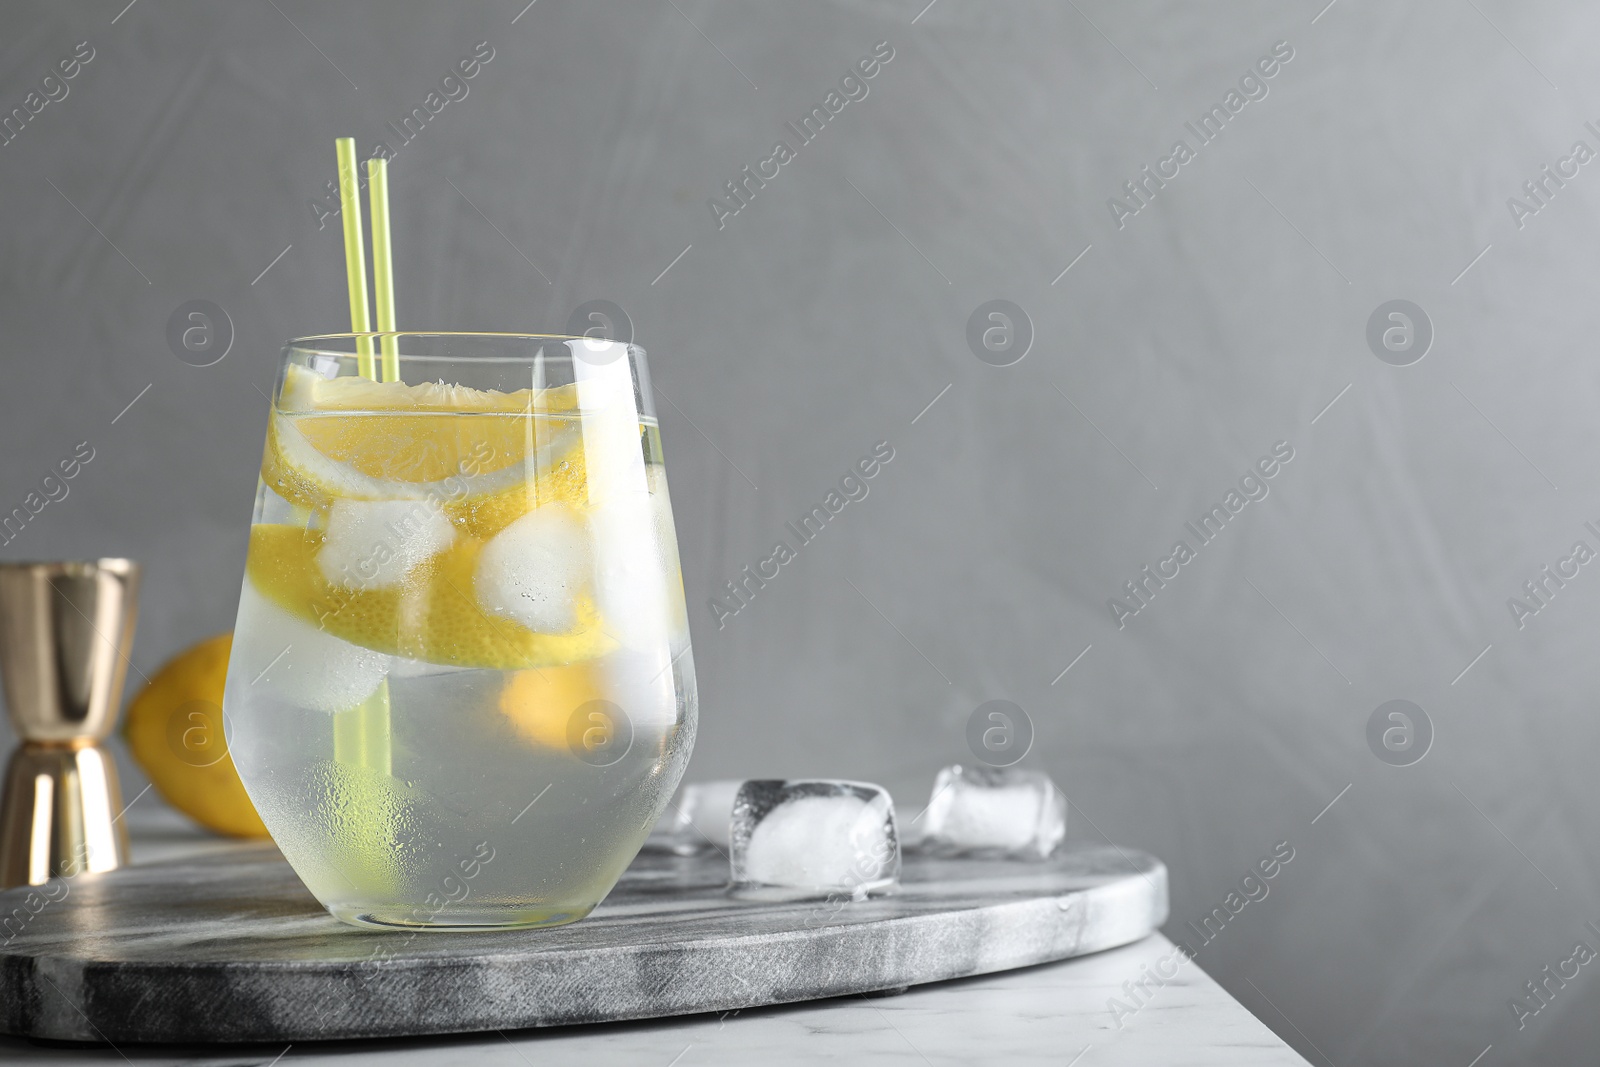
484,457
434,616
540,704
343,449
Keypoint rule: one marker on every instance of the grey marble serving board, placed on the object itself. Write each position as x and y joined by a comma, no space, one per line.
232,948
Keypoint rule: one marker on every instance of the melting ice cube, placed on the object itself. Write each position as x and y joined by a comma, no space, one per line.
373,544
816,835
532,570
298,663
994,811
700,819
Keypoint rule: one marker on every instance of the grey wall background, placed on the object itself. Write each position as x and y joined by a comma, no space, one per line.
823,318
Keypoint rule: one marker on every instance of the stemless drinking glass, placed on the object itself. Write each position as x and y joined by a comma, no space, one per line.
460,691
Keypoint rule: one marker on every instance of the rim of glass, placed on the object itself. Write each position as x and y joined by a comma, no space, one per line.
307,344
458,333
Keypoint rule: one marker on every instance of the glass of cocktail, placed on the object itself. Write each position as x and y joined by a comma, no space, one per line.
461,690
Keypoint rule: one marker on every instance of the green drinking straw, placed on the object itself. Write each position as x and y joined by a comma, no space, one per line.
362,735
355,259
383,264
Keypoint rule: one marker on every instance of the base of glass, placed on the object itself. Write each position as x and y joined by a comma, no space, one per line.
459,919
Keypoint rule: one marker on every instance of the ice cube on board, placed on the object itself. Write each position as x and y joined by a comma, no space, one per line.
699,820
814,836
994,811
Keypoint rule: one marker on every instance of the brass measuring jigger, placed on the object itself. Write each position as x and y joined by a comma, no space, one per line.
65,631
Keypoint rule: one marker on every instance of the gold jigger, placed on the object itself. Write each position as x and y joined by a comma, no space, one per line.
65,629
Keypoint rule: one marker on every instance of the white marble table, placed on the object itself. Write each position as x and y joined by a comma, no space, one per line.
1057,1014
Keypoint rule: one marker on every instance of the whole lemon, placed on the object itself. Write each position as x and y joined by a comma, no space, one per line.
174,730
